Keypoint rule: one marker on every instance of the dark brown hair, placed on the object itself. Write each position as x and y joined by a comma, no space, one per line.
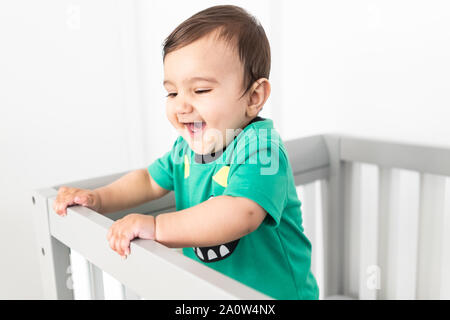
234,25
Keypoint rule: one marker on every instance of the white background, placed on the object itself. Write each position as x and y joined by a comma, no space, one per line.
81,90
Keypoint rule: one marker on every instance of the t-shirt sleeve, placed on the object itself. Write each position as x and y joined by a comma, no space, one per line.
161,169
262,177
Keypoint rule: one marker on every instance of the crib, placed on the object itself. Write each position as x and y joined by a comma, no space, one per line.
376,212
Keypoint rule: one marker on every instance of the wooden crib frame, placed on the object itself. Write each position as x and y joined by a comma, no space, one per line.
361,242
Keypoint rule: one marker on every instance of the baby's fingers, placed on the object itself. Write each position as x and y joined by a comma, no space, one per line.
119,238
84,199
116,243
120,244
60,207
125,247
113,243
63,200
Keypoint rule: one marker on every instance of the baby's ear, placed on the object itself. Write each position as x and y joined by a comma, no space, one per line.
259,93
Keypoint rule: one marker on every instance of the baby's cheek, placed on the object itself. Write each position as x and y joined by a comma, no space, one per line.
174,120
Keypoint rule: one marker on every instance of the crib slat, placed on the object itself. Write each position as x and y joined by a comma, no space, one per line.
400,223
430,236
113,289
352,218
307,196
361,260
369,271
312,196
383,229
96,279
87,279
445,262
309,211
80,274
317,249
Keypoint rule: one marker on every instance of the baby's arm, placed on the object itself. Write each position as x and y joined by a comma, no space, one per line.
131,190
218,220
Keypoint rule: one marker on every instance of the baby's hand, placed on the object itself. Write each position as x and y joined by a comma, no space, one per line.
131,226
68,196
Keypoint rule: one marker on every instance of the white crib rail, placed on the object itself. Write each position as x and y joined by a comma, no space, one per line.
395,240
152,270
377,214
397,220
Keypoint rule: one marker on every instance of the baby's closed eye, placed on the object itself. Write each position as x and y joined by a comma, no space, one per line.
173,94
202,91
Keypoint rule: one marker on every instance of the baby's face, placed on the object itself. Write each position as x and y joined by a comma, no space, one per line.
204,82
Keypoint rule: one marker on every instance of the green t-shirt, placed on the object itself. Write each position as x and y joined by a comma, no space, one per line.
274,259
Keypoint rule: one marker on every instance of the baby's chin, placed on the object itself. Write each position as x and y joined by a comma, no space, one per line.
198,144
208,142
200,147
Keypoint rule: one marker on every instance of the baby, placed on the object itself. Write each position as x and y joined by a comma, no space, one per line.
237,209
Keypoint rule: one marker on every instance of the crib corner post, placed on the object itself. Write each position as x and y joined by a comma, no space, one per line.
54,256
334,220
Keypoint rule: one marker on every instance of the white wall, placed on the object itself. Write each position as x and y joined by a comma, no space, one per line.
81,89
63,115
372,68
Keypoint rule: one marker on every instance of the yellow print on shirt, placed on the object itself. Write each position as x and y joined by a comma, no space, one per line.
221,177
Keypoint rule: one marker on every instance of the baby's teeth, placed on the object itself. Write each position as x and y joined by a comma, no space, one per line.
197,126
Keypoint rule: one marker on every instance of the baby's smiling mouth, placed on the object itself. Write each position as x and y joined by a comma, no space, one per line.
195,127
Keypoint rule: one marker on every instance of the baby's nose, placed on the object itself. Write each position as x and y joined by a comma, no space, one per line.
184,107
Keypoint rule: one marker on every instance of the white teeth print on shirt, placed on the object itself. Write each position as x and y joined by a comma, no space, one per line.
216,253
211,254
199,253
223,250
